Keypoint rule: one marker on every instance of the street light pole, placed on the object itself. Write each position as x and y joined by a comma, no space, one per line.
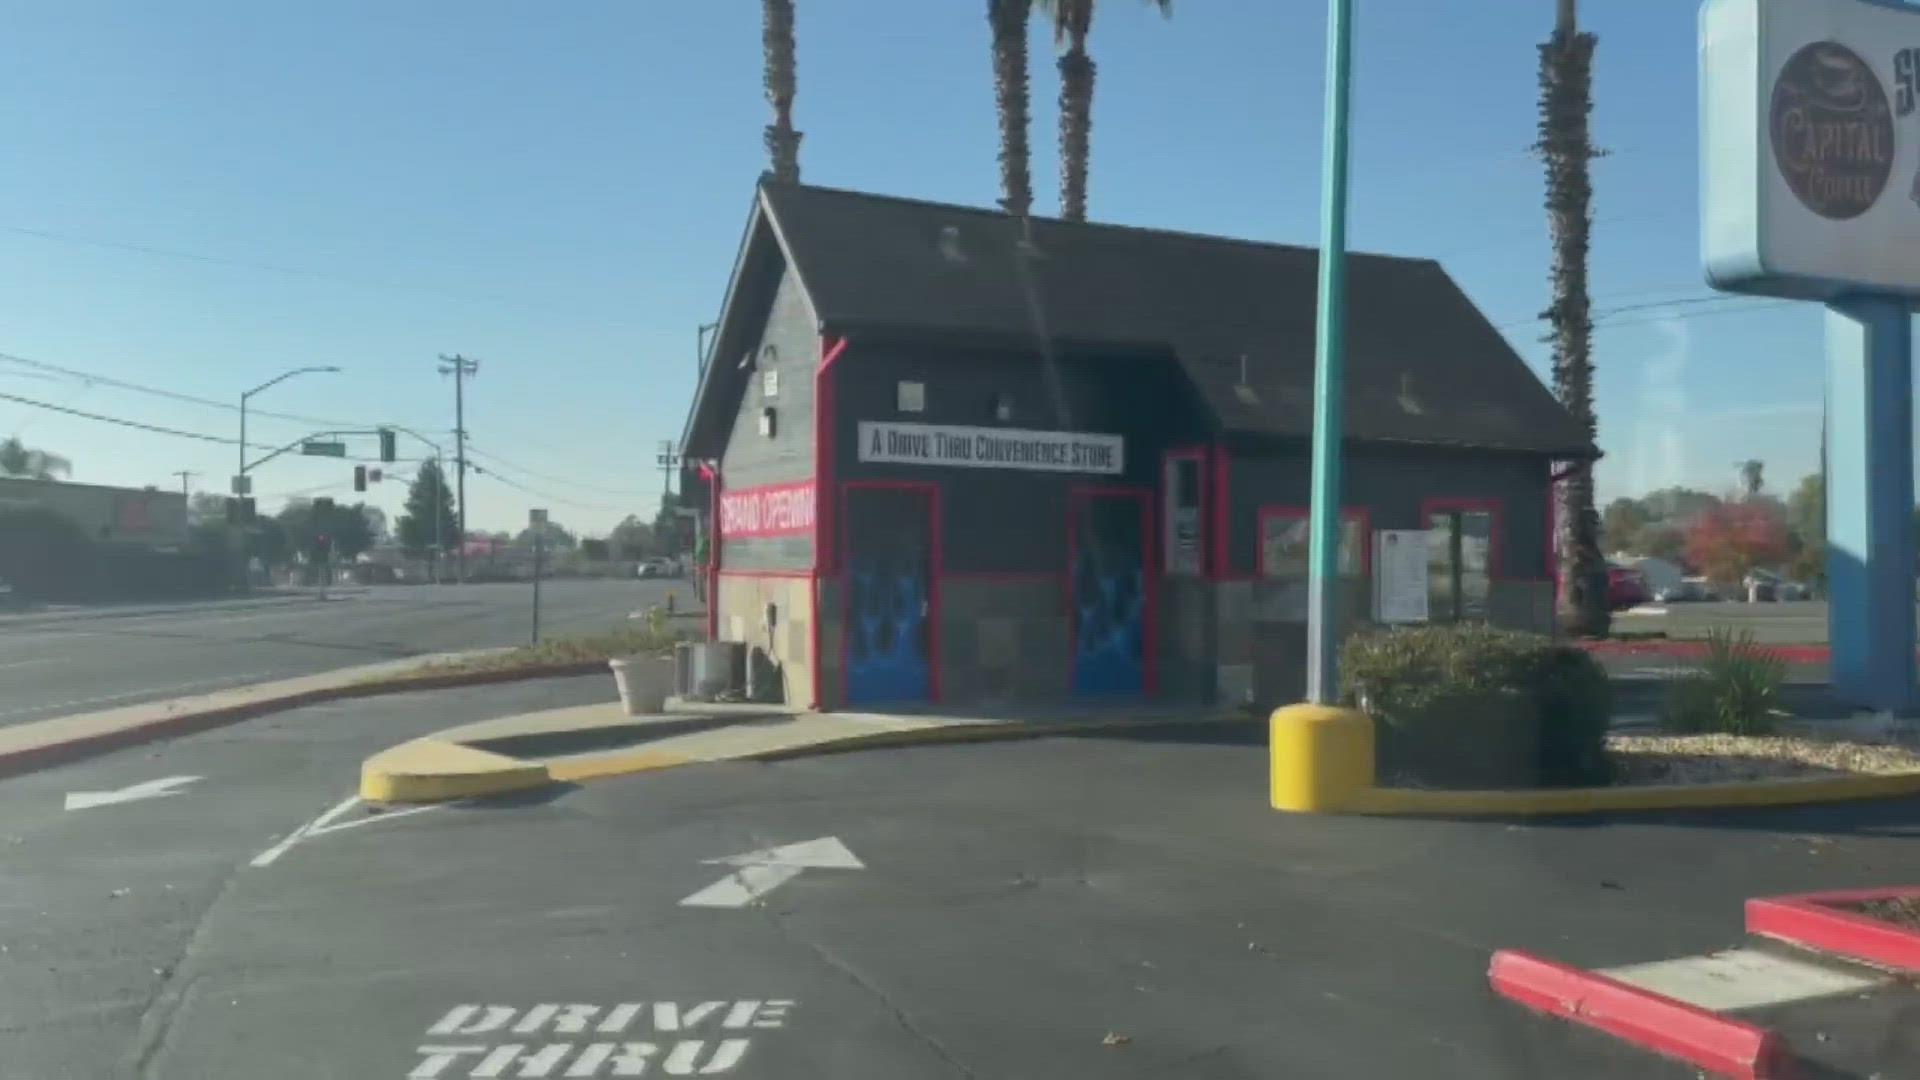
280,378
1323,551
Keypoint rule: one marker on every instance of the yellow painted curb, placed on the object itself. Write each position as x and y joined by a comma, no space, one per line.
1731,795
934,734
1322,761
615,763
433,770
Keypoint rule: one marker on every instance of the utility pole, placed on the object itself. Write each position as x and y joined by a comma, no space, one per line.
462,369
185,476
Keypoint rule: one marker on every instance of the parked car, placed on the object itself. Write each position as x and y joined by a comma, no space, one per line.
654,568
1683,592
1626,588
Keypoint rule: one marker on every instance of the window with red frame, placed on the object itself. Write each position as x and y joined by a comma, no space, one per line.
1284,538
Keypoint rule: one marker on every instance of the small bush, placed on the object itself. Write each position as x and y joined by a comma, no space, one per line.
1473,704
1735,690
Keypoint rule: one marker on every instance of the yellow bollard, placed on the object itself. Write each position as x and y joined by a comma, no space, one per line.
1321,757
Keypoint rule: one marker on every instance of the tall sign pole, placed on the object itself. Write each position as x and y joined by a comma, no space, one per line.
1808,132
1323,551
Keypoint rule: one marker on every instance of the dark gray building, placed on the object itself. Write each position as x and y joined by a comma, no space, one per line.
954,458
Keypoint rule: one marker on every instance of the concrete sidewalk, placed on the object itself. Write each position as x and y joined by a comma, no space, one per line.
591,742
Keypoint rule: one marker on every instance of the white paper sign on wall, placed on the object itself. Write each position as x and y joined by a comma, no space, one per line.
1810,146
1400,576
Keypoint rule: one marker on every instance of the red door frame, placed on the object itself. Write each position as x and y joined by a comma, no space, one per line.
931,490
1149,581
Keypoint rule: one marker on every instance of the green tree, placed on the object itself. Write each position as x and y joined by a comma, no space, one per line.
553,536
1566,107
633,539
1753,477
265,539
594,549
428,525
19,460
1622,524
1806,516
1072,21
1007,20
778,75
320,531
1678,506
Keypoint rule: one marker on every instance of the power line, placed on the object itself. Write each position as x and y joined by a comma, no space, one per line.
156,429
500,462
549,496
174,395
1608,316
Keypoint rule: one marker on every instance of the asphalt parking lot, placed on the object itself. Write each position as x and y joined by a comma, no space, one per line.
1090,907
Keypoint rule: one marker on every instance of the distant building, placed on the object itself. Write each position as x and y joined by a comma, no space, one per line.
135,517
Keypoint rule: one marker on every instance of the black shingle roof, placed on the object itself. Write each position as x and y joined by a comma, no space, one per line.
1423,364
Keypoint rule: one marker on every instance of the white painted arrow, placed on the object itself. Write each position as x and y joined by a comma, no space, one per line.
760,872
148,789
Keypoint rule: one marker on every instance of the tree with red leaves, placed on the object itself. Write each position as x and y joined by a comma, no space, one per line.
1728,541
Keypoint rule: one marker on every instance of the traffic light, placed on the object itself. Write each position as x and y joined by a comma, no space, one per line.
386,444
359,478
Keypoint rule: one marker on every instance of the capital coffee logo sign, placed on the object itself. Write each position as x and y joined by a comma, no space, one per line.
1832,131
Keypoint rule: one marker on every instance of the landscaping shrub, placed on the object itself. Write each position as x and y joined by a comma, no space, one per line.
1734,691
1475,705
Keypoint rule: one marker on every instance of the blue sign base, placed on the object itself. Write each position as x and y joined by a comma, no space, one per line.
1870,530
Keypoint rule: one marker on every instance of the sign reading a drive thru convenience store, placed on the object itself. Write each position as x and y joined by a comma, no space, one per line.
1810,156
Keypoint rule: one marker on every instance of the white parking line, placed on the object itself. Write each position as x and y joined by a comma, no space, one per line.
325,825
267,857
24,663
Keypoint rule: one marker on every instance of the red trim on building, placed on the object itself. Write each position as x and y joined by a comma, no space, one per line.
824,523
1199,452
1222,568
1009,576
714,543
767,573
934,558
1495,539
1149,581
1347,513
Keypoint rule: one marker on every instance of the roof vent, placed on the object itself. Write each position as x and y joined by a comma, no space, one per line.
950,244
1242,389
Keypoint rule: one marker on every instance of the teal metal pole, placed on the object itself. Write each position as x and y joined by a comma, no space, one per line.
1323,571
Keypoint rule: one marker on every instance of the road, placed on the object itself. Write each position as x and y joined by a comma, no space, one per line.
50,668
1095,907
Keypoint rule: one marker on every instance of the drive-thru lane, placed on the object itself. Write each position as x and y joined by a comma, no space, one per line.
1069,907
112,880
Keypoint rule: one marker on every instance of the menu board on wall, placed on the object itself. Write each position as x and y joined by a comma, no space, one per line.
1400,576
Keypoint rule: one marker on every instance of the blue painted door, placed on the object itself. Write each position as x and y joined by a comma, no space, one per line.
889,568
1108,613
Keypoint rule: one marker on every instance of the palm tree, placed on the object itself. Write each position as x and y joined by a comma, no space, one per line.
1566,103
1752,476
1072,20
1008,21
19,461
776,41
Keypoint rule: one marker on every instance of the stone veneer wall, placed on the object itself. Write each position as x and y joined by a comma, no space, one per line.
741,605
1002,639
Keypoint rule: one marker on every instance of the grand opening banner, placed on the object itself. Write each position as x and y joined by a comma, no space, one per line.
769,510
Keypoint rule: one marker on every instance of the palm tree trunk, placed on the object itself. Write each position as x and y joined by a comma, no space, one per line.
1008,21
776,39
1074,19
1566,103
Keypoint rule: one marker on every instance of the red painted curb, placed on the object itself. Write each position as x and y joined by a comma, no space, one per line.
1664,1025
167,727
1811,921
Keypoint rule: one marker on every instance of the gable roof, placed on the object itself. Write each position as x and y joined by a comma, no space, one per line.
1423,364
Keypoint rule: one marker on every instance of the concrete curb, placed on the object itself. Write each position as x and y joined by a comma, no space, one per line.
413,773
171,725
1811,921
1667,1026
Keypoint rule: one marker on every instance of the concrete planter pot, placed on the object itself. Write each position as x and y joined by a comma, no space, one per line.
645,682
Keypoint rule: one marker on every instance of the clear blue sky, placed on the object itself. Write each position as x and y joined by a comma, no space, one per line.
559,191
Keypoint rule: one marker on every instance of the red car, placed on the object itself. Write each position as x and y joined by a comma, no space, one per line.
1626,588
